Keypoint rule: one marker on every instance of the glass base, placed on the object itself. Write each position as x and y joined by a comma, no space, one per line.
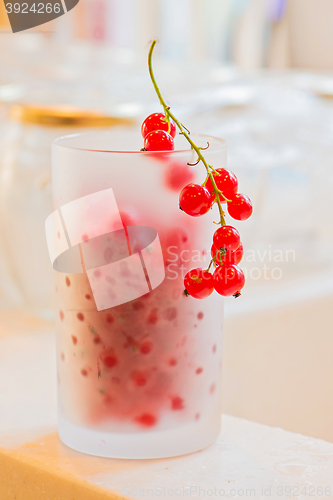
155,444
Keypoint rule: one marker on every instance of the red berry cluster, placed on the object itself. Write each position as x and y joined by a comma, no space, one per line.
158,133
220,186
227,249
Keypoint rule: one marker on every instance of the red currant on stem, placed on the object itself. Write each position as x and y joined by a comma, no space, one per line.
225,181
240,207
159,140
228,280
221,186
226,238
157,121
195,200
198,283
229,257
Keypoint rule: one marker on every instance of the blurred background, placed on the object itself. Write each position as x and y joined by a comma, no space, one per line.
258,73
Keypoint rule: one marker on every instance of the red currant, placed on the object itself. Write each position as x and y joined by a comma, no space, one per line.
198,283
157,121
228,280
159,140
225,181
240,207
229,257
226,237
195,200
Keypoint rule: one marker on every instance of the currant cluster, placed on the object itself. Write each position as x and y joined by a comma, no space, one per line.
158,134
220,187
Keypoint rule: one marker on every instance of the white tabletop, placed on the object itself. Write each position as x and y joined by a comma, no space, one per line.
249,460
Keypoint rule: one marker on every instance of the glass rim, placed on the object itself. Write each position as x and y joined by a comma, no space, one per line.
216,144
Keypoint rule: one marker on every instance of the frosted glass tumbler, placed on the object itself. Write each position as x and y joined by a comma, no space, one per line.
139,364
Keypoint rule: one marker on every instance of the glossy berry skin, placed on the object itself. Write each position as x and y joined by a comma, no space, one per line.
228,280
198,283
226,237
159,140
226,182
240,207
195,200
156,121
228,258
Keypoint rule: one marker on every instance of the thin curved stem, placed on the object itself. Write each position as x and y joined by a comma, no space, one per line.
210,265
185,133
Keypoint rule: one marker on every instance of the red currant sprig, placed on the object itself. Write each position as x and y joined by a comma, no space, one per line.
240,207
159,140
220,186
226,181
195,200
157,121
228,279
198,283
228,257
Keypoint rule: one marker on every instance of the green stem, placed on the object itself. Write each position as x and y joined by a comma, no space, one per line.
197,149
